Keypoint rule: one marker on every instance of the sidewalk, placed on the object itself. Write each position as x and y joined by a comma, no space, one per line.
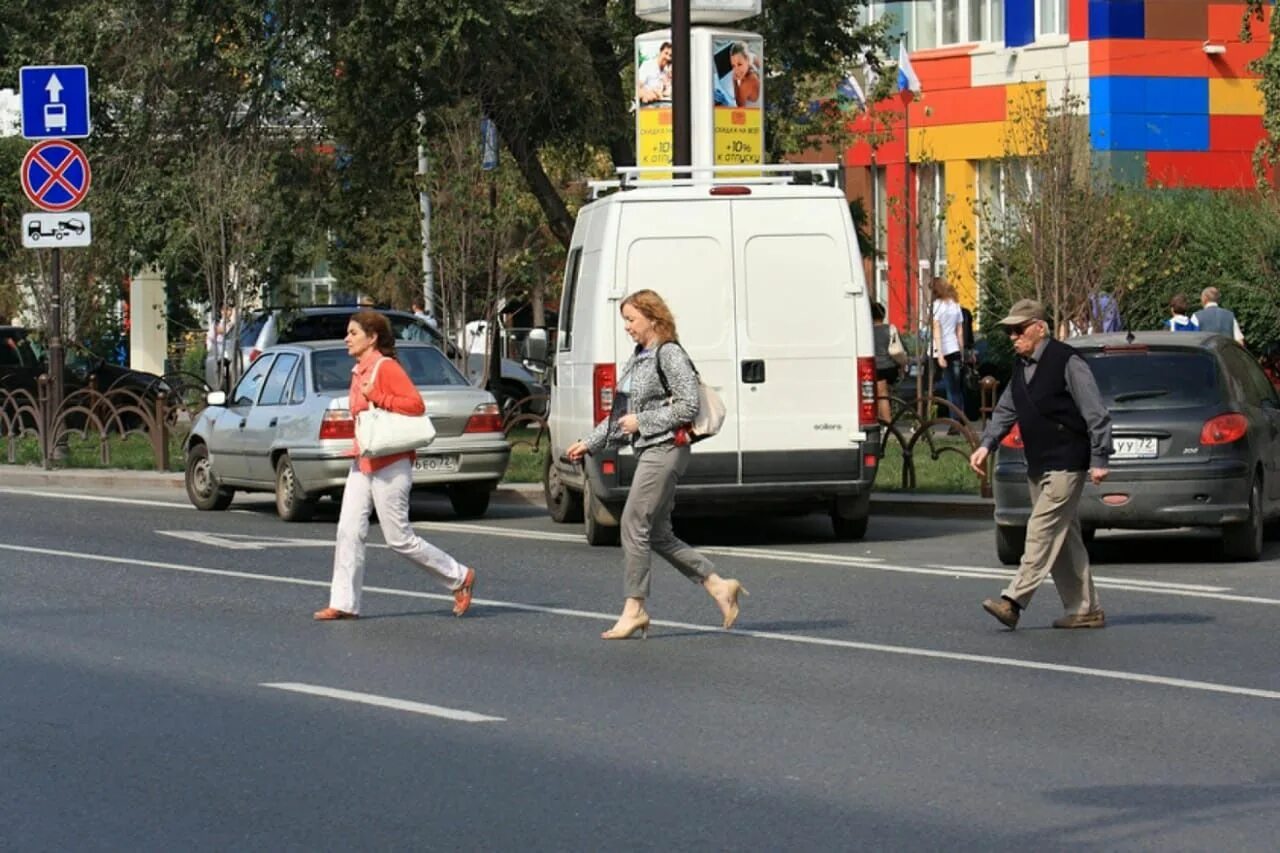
529,494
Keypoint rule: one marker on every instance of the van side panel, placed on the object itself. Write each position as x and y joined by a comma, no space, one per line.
797,340
685,252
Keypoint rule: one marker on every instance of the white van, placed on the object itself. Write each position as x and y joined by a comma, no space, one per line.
767,287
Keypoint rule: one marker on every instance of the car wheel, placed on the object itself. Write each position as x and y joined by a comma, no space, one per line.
601,525
292,504
470,500
849,519
1010,543
1243,541
512,394
203,489
564,505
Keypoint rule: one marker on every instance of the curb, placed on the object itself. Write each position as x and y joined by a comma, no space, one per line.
527,494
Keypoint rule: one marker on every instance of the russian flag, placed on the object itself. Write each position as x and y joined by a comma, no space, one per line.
849,89
907,79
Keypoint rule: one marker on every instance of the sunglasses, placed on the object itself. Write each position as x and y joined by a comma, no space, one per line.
1016,331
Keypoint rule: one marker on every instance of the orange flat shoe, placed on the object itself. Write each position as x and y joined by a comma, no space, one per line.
462,595
331,613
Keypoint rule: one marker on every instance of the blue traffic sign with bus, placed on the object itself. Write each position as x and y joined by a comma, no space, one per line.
55,101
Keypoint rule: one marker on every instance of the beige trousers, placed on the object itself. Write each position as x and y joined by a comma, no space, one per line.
646,521
1054,544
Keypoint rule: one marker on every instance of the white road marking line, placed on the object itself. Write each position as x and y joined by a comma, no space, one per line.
244,542
979,572
385,702
910,651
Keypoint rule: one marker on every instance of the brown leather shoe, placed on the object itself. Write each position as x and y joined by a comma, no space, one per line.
331,613
1092,619
462,595
1003,610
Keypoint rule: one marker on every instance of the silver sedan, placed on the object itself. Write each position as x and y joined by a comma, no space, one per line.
287,428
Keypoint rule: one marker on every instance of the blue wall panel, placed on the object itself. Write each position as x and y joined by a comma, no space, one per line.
1118,19
1177,95
1019,22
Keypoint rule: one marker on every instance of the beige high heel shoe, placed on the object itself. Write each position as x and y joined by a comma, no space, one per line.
627,626
730,589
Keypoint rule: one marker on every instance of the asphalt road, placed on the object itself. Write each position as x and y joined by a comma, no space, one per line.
164,687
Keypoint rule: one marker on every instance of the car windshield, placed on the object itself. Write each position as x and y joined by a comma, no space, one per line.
1163,379
251,329
425,366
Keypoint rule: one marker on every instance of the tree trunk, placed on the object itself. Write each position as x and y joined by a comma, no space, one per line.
559,220
605,62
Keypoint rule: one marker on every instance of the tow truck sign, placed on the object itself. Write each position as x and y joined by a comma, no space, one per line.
56,230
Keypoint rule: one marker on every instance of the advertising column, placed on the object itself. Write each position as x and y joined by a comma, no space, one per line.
653,102
737,62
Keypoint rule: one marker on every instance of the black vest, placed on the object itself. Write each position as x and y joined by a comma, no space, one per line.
1053,430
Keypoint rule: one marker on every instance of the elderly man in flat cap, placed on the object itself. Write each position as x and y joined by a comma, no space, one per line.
1066,433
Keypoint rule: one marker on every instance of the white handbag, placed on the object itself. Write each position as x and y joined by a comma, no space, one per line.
383,433
711,407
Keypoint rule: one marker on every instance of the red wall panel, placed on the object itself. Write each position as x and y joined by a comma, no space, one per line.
1234,133
1207,169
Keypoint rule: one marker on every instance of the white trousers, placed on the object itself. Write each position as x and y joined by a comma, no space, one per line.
387,490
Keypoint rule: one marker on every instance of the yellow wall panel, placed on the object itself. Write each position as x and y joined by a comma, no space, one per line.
961,230
1232,96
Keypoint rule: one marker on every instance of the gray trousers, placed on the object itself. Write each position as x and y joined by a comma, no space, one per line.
646,520
1054,544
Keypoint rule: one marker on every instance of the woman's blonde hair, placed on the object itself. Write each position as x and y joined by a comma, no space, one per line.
655,310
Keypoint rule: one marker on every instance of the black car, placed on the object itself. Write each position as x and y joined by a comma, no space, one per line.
22,362
1195,443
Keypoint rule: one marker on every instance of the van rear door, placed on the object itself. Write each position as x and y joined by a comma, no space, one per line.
797,404
684,251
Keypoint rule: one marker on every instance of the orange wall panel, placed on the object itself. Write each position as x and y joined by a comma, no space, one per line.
942,71
1234,133
985,103
1206,169
1225,19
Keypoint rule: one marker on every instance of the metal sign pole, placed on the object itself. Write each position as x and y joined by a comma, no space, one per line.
56,359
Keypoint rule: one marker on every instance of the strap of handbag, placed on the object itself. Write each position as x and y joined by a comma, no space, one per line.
373,377
657,360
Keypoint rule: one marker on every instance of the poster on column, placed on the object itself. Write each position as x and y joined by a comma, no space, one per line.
653,103
738,74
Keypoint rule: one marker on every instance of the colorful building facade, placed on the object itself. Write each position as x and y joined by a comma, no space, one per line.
1165,84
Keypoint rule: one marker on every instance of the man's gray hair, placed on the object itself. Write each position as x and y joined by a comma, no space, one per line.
1210,294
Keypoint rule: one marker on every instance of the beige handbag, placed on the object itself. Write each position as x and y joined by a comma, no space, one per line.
711,408
383,433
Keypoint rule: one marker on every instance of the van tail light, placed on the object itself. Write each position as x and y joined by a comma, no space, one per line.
253,354
867,392
604,380
486,417
1013,440
733,189
337,423
1224,429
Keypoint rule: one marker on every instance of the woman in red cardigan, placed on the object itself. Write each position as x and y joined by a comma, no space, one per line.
382,482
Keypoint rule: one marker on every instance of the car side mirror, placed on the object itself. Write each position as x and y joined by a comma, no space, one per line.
216,398
535,346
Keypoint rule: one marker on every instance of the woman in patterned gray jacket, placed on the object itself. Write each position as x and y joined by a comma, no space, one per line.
655,424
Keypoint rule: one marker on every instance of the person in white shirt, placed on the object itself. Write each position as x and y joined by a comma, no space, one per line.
948,346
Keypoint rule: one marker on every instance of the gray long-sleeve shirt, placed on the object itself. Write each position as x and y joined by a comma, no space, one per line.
1083,389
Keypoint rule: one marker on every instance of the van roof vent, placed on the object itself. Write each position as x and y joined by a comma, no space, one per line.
776,174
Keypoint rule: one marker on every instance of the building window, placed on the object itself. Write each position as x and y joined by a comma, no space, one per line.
936,23
931,213
1051,17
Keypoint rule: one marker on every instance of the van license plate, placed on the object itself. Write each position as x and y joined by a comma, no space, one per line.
436,464
1134,448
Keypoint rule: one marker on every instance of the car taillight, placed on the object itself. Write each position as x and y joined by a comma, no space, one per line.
1013,440
867,392
337,423
253,354
1224,429
604,380
486,417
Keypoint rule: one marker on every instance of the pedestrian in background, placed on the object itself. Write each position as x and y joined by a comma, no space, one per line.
1214,318
948,343
1066,433
655,425
891,357
1179,321
384,482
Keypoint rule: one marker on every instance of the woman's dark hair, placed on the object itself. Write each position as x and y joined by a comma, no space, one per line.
1178,304
877,311
378,327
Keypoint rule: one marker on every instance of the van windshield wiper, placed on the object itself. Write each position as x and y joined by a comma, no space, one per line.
1140,395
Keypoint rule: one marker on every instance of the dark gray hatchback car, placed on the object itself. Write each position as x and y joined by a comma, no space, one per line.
1195,443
